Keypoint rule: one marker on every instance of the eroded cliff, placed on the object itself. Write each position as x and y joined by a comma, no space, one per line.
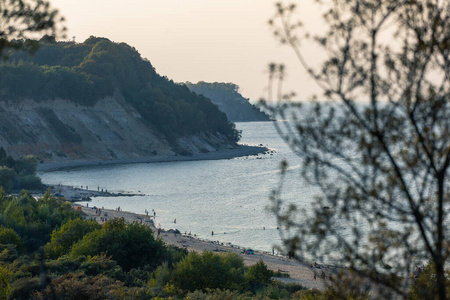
60,130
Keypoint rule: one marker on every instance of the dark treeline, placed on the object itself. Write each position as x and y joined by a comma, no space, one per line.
18,173
229,100
85,72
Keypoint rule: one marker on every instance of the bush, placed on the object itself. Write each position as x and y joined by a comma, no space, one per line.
75,286
208,270
131,245
9,236
258,275
70,233
22,288
7,178
30,182
5,287
217,294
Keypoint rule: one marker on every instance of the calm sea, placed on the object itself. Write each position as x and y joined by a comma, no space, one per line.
227,197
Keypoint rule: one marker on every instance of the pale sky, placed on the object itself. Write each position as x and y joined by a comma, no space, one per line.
193,40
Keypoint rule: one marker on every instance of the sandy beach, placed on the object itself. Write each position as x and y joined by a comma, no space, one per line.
299,272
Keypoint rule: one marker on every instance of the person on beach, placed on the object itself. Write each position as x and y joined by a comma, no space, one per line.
212,232
315,275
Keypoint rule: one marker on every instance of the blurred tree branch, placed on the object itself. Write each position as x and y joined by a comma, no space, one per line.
23,21
379,147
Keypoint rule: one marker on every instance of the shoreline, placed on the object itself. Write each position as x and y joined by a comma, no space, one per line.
240,151
299,272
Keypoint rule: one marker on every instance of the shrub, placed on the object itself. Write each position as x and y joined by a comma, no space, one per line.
258,275
30,182
131,245
9,236
7,178
70,233
208,270
75,286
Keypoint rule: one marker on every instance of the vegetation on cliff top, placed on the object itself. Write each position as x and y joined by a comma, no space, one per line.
86,72
229,100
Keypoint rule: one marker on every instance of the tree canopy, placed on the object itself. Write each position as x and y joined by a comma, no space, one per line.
86,72
378,149
18,173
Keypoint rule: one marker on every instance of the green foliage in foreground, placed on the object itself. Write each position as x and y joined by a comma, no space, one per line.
70,233
84,73
131,245
48,252
208,270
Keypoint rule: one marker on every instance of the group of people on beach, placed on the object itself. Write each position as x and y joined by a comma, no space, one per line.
323,275
98,212
154,214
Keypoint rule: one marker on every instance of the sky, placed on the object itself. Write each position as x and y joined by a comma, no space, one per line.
198,40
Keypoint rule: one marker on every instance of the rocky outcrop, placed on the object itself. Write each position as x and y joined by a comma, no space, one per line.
60,130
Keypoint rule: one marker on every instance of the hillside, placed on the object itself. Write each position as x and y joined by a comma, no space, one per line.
101,100
227,97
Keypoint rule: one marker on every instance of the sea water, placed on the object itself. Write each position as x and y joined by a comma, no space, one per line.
226,197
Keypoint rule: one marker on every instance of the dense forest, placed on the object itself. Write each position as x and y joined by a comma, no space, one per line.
229,100
86,72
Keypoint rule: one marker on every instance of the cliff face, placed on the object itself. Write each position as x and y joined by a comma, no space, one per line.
60,130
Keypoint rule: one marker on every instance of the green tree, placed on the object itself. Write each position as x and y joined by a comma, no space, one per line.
7,178
75,286
209,270
131,245
9,236
22,19
27,165
71,232
258,275
4,283
378,150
